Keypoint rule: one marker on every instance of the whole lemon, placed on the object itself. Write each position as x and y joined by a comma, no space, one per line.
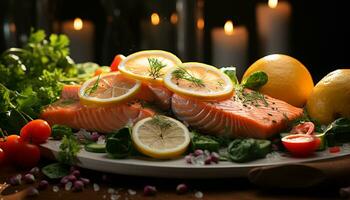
330,98
288,79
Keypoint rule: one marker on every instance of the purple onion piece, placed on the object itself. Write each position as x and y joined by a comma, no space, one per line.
32,191
182,188
15,180
78,186
43,185
86,181
198,152
76,173
29,178
149,190
35,171
72,178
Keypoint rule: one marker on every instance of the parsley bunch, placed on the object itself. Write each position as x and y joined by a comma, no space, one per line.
32,77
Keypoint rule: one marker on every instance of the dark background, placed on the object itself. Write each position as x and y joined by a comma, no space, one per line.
319,29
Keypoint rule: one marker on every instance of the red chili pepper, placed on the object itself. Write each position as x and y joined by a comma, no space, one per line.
303,128
116,61
334,149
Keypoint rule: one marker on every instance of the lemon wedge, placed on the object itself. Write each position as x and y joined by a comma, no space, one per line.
199,80
108,89
160,137
149,65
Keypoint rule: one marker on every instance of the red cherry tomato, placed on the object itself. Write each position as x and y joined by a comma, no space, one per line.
116,61
301,145
334,149
36,131
2,156
28,155
304,128
10,145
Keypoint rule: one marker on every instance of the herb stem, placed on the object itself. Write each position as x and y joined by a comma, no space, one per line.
182,73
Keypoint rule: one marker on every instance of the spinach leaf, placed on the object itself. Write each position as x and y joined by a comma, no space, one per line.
338,132
58,131
204,142
55,170
119,144
244,150
230,72
255,81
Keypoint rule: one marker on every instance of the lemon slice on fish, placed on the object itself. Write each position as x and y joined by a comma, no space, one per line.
199,80
149,65
108,89
160,137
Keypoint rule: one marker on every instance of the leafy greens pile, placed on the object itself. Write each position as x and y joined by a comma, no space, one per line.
32,77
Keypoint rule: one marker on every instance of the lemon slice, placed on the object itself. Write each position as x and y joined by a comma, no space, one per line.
199,80
160,137
108,89
138,65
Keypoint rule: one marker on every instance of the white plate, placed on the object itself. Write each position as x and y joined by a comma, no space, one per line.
178,168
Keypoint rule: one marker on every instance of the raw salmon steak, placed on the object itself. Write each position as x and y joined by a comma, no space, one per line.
104,119
68,111
236,117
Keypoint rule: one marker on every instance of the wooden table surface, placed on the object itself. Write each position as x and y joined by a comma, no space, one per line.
212,189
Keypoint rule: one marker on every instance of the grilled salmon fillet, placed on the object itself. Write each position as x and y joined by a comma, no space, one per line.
235,117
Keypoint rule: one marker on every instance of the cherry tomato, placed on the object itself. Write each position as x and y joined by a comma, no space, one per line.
36,131
98,71
2,156
11,144
301,145
304,128
334,149
28,155
117,60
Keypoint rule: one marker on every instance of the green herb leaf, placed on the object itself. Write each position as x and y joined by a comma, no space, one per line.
161,121
93,88
230,72
119,144
182,73
69,148
58,131
55,170
204,142
155,66
244,150
338,132
255,81
32,77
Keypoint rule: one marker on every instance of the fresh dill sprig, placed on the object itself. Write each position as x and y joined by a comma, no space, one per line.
252,97
155,66
182,73
161,122
93,88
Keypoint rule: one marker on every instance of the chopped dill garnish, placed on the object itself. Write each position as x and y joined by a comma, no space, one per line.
252,97
93,88
155,67
161,121
182,73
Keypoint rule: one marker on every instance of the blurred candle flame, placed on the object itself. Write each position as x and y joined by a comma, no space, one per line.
228,27
78,24
174,18
155,20
272,3
200,23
